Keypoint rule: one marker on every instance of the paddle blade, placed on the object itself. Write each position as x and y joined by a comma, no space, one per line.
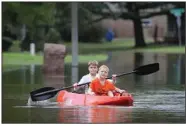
35,97
147,69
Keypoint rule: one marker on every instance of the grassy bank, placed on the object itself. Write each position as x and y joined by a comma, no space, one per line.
126,45
118,44
26,58
92,52
162,49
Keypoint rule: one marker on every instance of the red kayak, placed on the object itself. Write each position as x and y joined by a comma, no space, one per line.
83,99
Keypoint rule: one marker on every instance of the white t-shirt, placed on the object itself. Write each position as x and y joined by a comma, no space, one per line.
85,79
88,78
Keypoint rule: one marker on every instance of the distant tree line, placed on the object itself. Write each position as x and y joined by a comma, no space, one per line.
40,22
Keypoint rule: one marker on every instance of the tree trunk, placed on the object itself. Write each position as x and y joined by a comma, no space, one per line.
138,31
138,61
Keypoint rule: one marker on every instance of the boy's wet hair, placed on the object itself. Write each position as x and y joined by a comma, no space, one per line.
104,66
93,62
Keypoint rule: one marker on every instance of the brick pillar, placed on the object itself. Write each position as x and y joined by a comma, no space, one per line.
53,65
54,55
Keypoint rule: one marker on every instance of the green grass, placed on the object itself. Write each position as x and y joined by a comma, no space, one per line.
118,44
92,52
162,49
21,58
86,58
125,45
26,58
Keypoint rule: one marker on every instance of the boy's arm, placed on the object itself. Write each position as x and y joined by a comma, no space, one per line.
82,80
112,87
113,80
119,90
90,91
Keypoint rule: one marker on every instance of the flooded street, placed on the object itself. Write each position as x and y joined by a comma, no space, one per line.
158,97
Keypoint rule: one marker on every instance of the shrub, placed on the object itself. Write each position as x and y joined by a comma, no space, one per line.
53,36
91,33
15,46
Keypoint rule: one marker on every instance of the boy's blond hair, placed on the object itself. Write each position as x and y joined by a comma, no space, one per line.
104,66
93,62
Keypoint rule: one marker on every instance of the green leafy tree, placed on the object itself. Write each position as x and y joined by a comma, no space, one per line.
31,14
135,11
89,31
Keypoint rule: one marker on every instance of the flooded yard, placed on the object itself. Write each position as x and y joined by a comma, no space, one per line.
158,97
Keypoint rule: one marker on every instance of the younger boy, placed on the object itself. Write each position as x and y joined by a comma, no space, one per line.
101,86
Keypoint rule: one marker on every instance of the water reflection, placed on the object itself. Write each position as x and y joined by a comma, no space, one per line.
96,114
74,76
32,73
138,61
54,81
176,69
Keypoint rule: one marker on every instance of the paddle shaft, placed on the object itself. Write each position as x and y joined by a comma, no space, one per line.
56,90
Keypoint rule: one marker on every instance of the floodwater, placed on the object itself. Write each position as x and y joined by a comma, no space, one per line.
158,97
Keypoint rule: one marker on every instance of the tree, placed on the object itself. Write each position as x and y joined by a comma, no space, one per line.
142,10
134,11
88,31
30,14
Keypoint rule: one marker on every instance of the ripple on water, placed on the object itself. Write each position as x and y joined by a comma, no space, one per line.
169,101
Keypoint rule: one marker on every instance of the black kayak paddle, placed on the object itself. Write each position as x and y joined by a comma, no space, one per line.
49,92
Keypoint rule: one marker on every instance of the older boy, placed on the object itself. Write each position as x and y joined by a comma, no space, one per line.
93,69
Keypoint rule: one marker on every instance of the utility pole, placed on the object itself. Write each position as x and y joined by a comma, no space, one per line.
74,38
74,33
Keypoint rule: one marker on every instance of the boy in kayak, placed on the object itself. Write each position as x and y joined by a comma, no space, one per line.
93,69
101,86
